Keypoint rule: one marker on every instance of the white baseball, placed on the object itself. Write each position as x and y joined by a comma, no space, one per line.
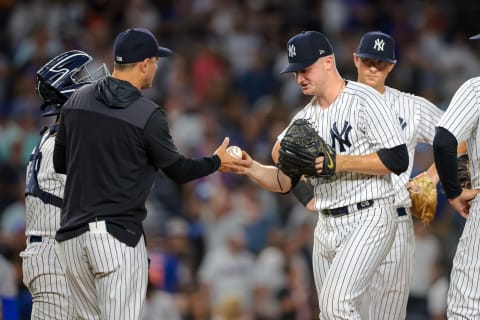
235,152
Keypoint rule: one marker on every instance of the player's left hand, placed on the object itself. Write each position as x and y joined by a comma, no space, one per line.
413,186
462,203
423,193
304,152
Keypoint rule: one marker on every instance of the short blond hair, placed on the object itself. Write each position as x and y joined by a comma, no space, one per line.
123,66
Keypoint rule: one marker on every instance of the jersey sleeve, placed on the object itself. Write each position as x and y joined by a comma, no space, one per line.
461,116
379,122
428,116
161,149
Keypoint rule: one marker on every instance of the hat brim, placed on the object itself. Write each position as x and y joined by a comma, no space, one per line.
297,66
476,37
375,57
164,52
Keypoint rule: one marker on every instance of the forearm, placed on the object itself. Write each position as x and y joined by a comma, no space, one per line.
384,161
185,170
444,149
432,170
368,164
269,177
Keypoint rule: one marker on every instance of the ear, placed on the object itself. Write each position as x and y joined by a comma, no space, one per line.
144,66
356,61
390,67
329,61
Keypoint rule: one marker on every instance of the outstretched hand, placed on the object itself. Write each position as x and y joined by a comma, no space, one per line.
244,166
229,163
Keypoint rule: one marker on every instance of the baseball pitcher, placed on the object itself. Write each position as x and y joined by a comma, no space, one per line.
355,145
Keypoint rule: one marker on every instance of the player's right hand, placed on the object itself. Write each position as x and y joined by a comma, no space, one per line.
228,163
242,166
462,203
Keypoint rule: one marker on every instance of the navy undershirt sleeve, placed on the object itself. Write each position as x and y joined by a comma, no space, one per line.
445,153
164,154
395,159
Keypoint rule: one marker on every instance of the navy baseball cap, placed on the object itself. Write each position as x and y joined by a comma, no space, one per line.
377,45
305,48
476,37
137,44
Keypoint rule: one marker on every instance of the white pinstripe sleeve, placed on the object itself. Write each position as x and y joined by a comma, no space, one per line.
428,116
383,127
462,114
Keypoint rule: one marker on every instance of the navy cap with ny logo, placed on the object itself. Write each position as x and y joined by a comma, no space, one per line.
136,44
305,48
377,45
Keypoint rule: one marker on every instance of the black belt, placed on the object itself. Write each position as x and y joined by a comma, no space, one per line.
401,212
35,239
347,209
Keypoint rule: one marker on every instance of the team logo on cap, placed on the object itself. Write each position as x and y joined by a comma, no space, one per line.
378,45
119,59
291,51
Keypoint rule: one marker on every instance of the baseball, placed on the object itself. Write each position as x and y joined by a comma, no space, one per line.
235,152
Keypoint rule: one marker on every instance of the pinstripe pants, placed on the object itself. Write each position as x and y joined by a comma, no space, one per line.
463,298
347,251
391,283
107,278
43,276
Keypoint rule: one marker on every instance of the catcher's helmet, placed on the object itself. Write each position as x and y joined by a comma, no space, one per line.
62,75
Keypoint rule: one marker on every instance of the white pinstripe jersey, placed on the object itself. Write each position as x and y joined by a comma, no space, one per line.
358,122
44,219
417,117
462,120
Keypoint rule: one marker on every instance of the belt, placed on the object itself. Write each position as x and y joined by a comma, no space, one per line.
33,239
341,211
401,212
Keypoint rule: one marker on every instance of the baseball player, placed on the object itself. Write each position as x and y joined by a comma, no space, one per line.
42,271
111,141
374,60
357,215
459,122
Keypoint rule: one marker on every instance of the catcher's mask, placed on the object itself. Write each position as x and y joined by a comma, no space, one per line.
61,76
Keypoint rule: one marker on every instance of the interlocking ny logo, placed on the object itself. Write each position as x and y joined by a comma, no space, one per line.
341,136
291,51
403,122
378,45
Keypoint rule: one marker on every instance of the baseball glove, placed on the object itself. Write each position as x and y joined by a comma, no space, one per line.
424,199
300,147
463,170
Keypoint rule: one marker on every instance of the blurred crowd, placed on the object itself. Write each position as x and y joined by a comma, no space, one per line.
221,247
